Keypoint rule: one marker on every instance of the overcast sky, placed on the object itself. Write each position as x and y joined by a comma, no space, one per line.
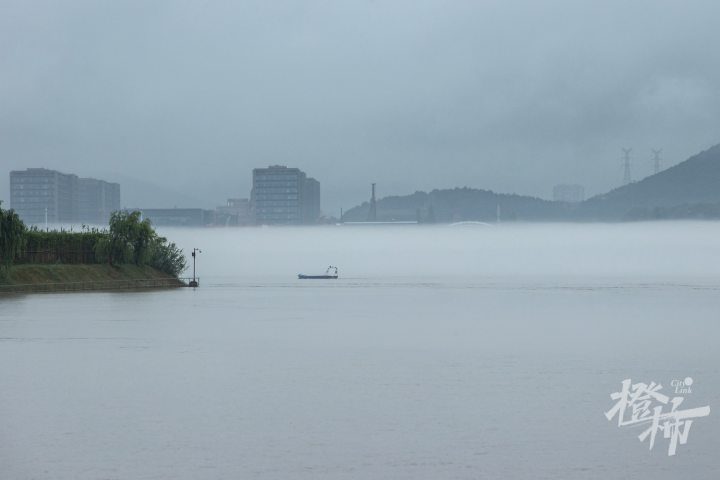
513,96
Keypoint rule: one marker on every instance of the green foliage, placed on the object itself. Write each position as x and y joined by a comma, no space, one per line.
102,249
132,240
12,237
129,240
166,257
60,246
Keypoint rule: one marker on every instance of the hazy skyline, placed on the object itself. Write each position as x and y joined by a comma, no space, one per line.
414,95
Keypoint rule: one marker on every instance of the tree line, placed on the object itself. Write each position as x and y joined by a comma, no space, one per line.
127,240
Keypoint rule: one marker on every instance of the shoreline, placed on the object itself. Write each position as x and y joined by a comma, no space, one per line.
40,278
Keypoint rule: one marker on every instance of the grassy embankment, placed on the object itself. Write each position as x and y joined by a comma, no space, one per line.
128,255
34,278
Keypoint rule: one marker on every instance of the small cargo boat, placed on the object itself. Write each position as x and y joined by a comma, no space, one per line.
330,274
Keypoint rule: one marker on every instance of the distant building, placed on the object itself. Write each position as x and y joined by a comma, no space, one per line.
235,212
311,201
38,194
64,197
569,193
285,196
178,217
97,199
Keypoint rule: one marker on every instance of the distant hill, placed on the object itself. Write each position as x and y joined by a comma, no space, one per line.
692,186
460,204
690,189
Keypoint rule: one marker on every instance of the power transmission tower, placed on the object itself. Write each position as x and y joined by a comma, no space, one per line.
372,214
627,177
656,159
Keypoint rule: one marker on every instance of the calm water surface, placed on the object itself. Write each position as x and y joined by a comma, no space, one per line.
486,352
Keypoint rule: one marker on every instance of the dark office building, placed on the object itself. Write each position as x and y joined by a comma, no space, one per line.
284,196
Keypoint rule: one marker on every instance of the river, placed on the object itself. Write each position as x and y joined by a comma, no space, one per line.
441,352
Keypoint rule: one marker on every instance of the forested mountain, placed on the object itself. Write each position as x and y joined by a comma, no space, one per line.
460,204
690,189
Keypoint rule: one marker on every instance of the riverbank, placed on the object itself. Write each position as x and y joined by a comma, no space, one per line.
57,278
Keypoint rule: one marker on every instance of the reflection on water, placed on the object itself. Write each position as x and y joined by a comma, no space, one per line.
439,353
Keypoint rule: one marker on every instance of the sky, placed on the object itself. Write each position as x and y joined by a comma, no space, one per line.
179,100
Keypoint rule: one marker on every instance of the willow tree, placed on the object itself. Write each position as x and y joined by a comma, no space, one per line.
133,240
128,239
12,237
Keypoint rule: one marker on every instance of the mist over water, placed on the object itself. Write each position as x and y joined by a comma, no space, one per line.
483,351
669,251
